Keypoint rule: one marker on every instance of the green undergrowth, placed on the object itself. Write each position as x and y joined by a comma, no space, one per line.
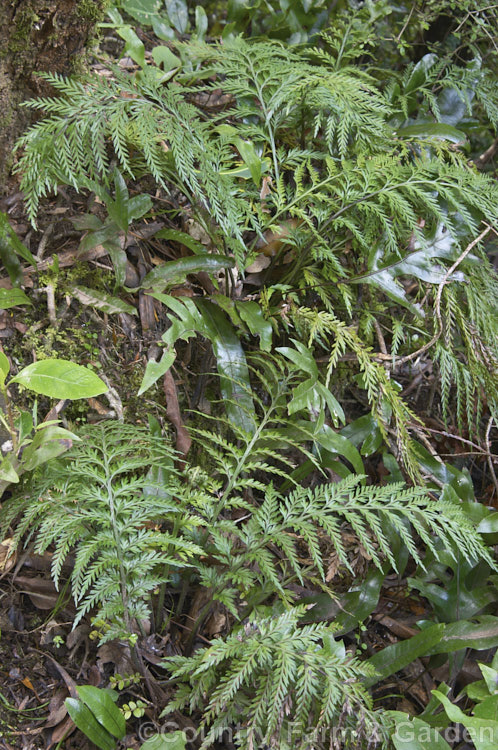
327,218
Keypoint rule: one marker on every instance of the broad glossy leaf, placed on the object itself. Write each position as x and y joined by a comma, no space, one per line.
346,610
86,721
393,658
484,732
7,471
11,262
162,55
479,634
419,73
252,314
201,22
454,599
251,159
178,14
490,677
439,130
13,298
231,362
108,232
162,29
49,442
411,733
177,270
134,47
24,425
102,301
118,208
138,206
170,741
156,370
10,238
142,10
104,709
59,378
383,278
452,106
488,708
335,409
4,367
119,260
489,525
301,356
183,238
336,443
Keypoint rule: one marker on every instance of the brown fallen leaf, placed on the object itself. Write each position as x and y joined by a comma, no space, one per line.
7,555
183,439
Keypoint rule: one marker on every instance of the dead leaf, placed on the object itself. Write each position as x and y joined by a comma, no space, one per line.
56,708
183,439
261,262
7,556
64,729
41,591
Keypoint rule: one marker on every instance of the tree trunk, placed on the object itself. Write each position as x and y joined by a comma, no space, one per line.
36,35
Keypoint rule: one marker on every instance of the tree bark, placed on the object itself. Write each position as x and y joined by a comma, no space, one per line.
36,35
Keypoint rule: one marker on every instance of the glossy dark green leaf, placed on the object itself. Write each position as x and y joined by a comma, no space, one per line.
479,634
88,724
439,130
10,239
170,741
183,238
334,442
162,55
134,47
48,442
162,29
13,298
201,22
301,356
4,367
177,270
484,732
119,260
118,208
346,610
142,10
231,364
452,105
383,279
138,206
58,378
418,75
156,370
11,262
252,315
104,709
108,232
391,659
24,425
412,733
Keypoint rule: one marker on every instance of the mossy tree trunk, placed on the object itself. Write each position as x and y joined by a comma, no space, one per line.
36,35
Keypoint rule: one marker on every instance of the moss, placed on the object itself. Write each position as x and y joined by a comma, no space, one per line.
20,39
91,11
